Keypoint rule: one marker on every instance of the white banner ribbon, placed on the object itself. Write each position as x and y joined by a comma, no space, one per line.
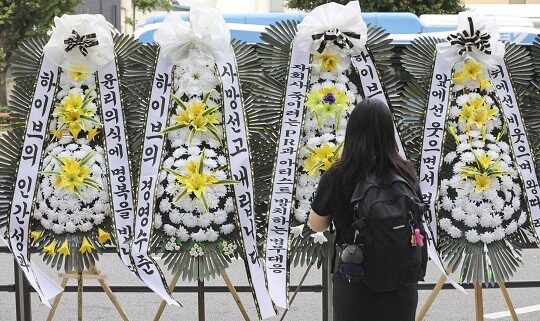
240,165
371,84
145,266
518,138
27,175
432,144
284,173
117,158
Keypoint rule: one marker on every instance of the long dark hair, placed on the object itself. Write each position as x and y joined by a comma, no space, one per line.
370,146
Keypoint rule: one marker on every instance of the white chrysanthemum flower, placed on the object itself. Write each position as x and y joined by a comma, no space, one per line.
471,220
487,237
182,233
472,236
169,229
158,222
498,233
226,229
511,227
450,157
446,203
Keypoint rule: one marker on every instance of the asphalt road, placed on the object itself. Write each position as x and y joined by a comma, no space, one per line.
449,305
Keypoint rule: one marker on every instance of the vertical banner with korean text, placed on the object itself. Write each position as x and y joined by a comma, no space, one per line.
24,191
146,267
240,166
120,183
518,138
284,173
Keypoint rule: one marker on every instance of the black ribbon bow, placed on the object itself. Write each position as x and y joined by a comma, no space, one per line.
83,42
471,39
335,36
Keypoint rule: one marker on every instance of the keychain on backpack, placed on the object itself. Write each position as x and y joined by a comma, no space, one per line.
414,241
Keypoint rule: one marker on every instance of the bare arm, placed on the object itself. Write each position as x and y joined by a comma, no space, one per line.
317,222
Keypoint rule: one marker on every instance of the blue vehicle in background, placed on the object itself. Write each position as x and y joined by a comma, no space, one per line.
402,26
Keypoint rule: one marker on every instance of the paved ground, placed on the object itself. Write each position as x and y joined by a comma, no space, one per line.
449,305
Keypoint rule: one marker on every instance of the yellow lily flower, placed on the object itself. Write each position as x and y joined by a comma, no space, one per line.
35,235
64,249
77,75
485,160
73,110
322,158
466,113
72,174
86,246
328,62
484,83
50,249
481,182
196,182
92,132
472,70
73,102
458,77
103,236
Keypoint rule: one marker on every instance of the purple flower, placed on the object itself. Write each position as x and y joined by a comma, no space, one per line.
329,99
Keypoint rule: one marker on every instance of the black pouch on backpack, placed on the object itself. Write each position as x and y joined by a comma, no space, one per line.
386,216
351,258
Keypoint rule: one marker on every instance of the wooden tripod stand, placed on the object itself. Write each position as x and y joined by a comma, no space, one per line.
200,294
92,273
479,305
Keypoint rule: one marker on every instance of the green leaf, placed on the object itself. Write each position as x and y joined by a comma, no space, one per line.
86,158
179,196
214,131
57,159
179,102
201,161
172,171
204,202
190,137
48,173
205,98
210,110
173,128
226,182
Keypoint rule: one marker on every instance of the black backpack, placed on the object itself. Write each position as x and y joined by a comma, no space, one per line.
386,215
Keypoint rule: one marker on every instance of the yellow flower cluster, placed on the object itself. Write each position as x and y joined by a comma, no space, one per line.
327,60
86,245
327,102
197,117
195,181
472,72
477,112
322,158
73,111
73,174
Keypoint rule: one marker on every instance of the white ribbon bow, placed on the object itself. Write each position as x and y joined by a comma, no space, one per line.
201,41
476,38
332,23
81,43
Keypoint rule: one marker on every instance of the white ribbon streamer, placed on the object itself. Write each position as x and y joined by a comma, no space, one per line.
147,269
371,84
432,143
117,157
240,165
27,175
284,173
518,137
